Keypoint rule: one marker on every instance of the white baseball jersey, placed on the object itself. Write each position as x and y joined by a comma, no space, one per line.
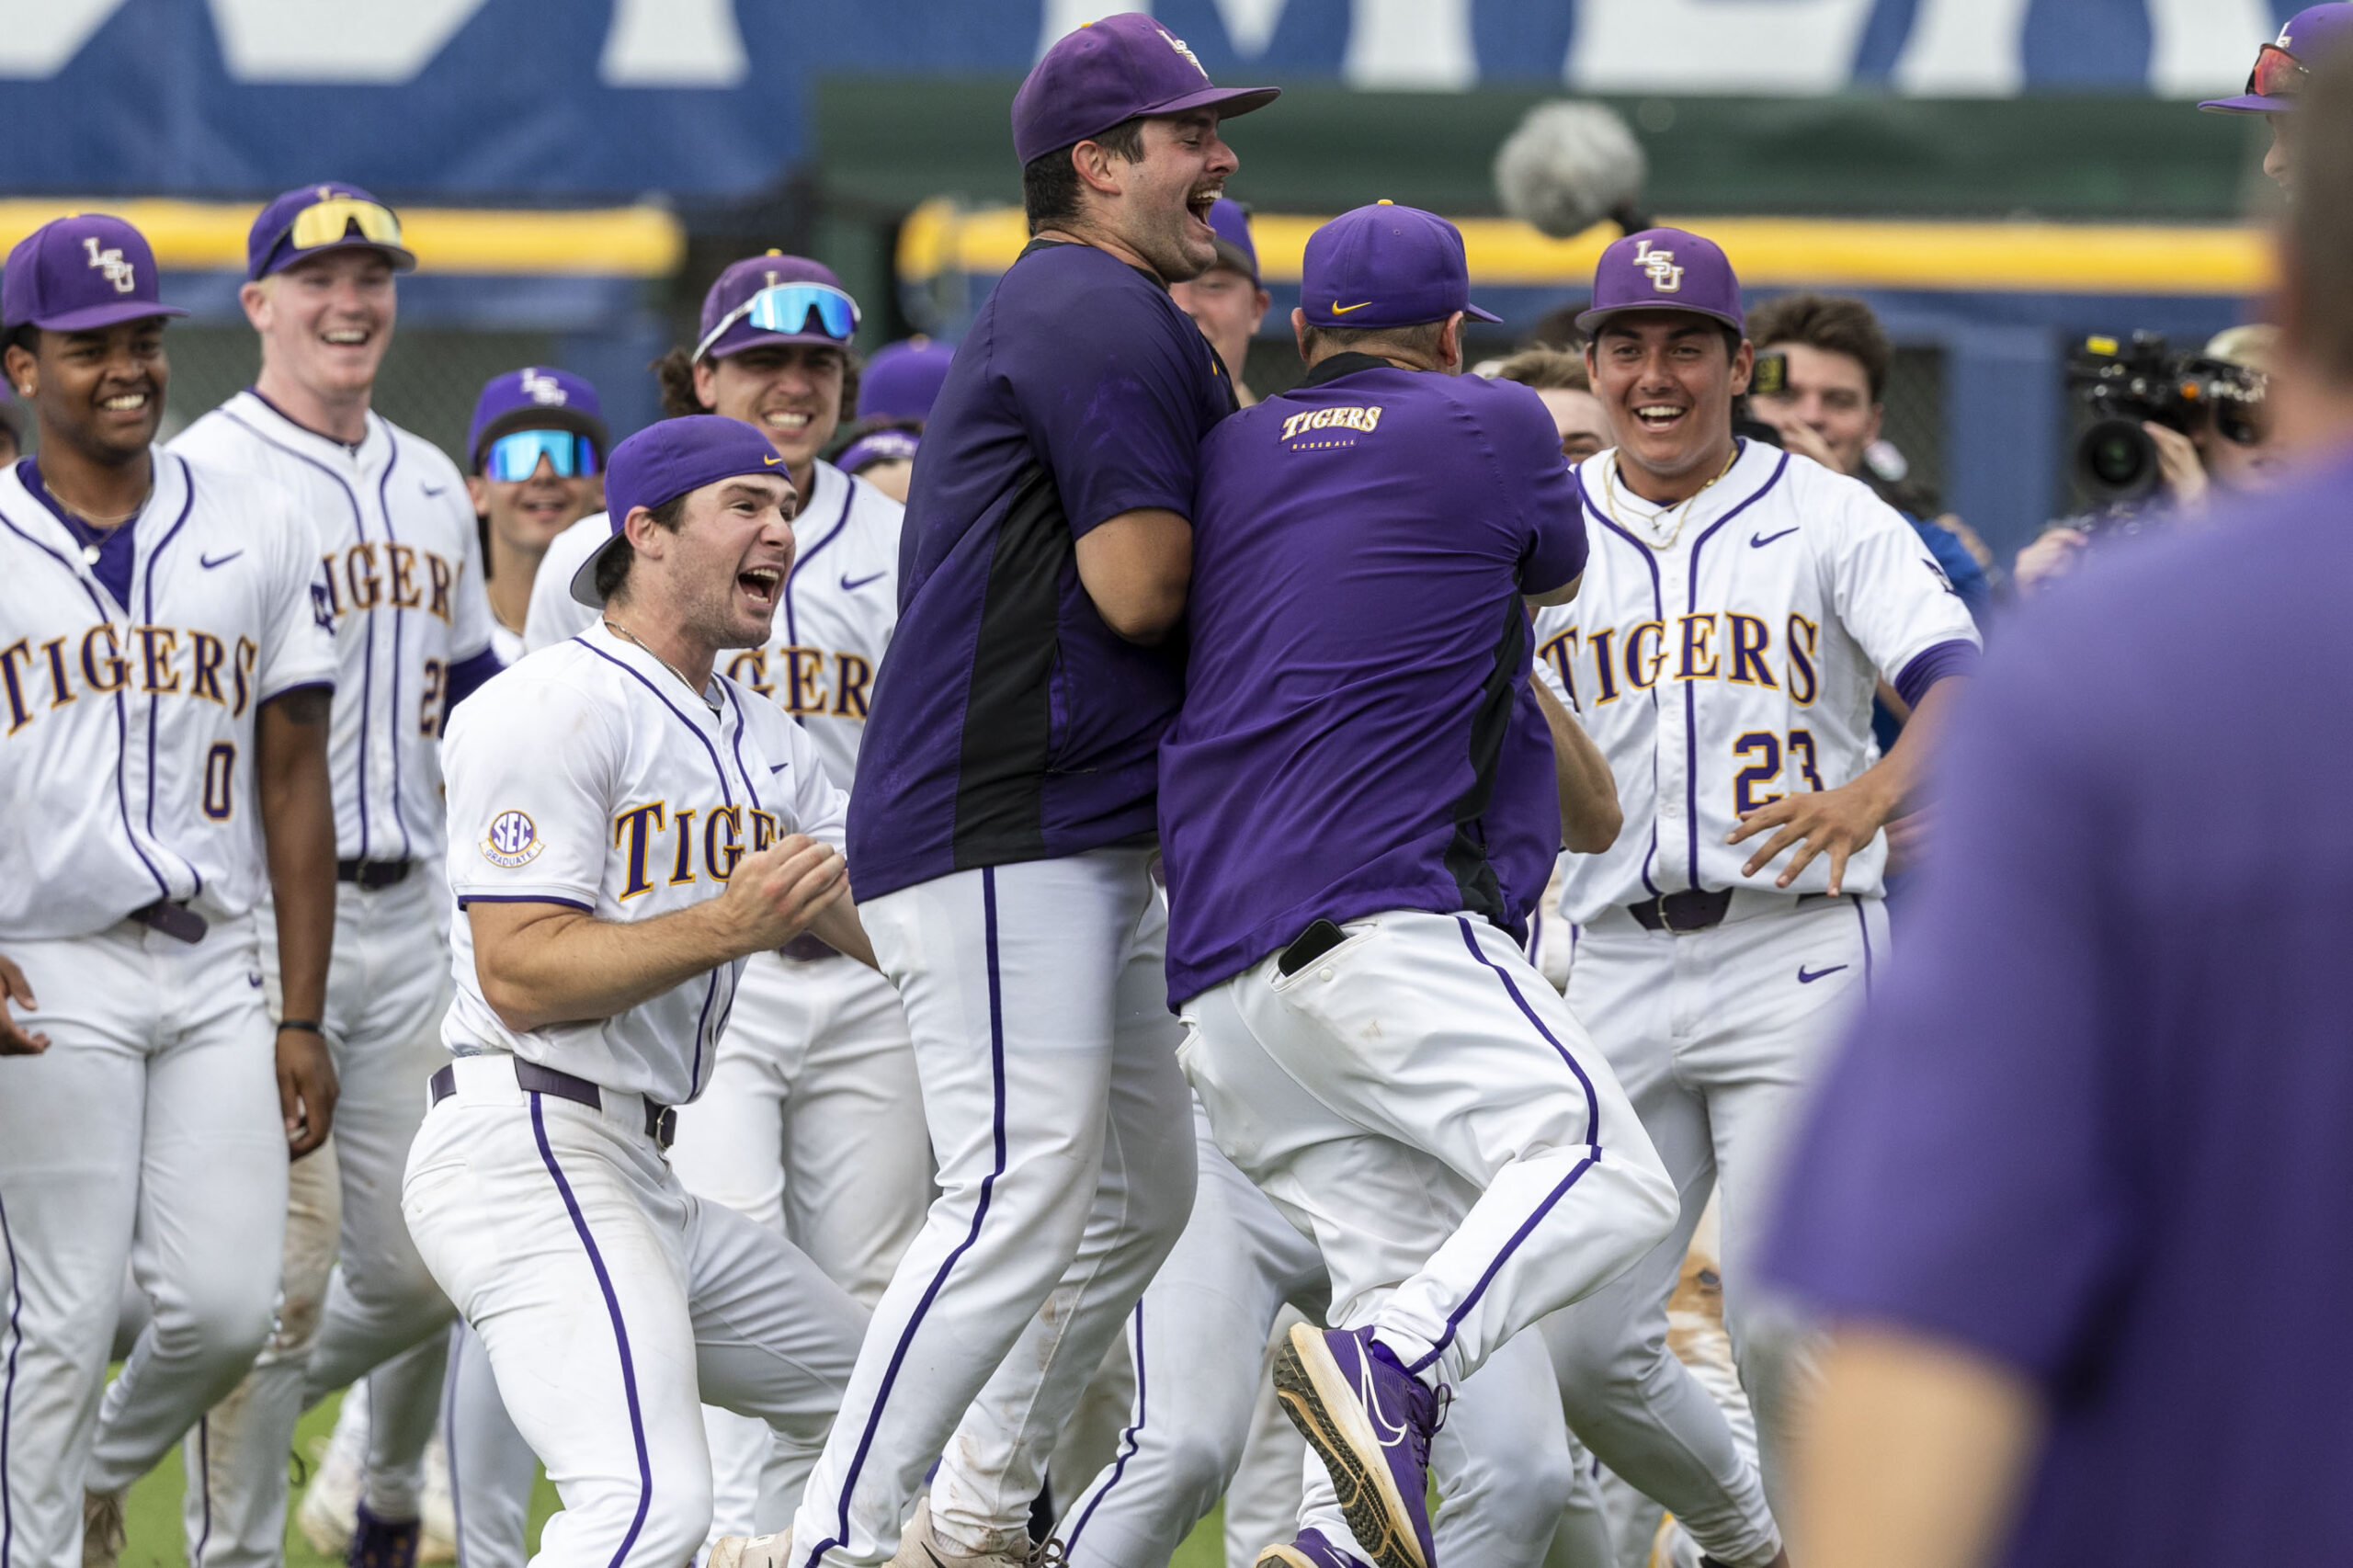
589,776
128,759
1723,654
404,585
833,623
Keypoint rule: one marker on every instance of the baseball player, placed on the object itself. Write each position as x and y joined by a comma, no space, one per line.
1739,605
535,466
2282,71
1372,1048
404,588
1003,817
813,1123
1227,302
630,826
166,661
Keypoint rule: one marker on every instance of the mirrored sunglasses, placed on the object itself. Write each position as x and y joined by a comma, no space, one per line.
790,308
323,222
2277,74
514,457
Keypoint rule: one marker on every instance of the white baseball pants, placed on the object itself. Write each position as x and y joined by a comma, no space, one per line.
149,1135
1502,1463
811,1125
1715,1035
388,987
1425,1106
609,1302
1038,1008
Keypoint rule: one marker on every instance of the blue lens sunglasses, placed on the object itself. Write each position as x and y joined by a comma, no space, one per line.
514,457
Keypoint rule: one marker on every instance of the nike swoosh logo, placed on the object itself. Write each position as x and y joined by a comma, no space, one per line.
432,489
779,767
208,562
1340,310
851,585
1759,541
1807,977
1390,1433
772,461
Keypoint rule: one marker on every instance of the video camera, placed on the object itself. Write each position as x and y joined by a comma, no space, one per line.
2127,383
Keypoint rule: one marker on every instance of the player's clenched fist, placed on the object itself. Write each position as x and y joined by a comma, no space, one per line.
775,894
15,991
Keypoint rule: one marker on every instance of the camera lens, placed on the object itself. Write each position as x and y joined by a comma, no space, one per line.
2117,461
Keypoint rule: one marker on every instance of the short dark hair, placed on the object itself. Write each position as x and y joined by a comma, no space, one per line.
24,336
1831,323
2320,222
612,566
1049,185
1420,339
1546,370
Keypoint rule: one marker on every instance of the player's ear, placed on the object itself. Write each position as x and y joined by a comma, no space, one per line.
645,536
1299,329
256,300
707,383
1450,345
478,492
1743,364
24,372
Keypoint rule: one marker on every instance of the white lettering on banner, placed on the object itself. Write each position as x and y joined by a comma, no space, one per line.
2200,48
1717,46
1419,45
1964,49
38,37
673,43
1250,24
335,41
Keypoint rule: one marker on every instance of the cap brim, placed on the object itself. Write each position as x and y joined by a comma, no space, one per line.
1227,101
91,317
1475,313
755,338
584,581
2249,103
403,258
1588,321
1232,257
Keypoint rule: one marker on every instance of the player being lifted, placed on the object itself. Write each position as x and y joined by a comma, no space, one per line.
630,827
1739,605
404,586
164,753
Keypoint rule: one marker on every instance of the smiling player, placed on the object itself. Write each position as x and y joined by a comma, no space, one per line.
405,589
1739,605
535,467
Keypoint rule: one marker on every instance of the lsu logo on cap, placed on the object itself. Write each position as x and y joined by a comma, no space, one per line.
513,840
1178,45
543,390
1665,276
119,272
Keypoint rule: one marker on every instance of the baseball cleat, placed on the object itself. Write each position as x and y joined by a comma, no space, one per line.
102,1530
1309,1550
1370,1421
920,1547
751,1551
383,1543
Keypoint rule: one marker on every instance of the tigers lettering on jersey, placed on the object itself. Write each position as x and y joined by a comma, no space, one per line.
1710,645
371,575
654,838
158,660
806,682
1366,418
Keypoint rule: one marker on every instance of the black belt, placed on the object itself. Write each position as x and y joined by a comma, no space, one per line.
661,1122
1691,910
371,875
808,948
177,920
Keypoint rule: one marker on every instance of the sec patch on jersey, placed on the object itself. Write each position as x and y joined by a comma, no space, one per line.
513,840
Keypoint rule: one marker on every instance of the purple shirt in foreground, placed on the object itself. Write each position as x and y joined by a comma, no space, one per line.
2098,1124
1357,731
1009,722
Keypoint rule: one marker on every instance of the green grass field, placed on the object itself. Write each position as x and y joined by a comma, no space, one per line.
154,1513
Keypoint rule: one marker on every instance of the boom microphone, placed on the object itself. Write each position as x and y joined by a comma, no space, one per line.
1569,165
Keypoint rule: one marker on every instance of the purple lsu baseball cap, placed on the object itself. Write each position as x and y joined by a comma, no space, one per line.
902,380
744,281
2272,85
347,214
664,462
1229,221
1115,69
536,397
1663,269
890,444
1386,265
80,273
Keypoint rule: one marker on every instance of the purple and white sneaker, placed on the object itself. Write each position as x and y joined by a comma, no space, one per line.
383,1543
1370,1421
1310,1549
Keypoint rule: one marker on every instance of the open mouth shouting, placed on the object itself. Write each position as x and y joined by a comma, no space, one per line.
760,586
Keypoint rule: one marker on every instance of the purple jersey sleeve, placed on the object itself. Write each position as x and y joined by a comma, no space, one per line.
1112,393
1960,1174
1537,489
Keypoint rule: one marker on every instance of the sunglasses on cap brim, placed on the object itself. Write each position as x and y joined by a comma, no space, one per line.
790,308
516,456
325,222
2277,74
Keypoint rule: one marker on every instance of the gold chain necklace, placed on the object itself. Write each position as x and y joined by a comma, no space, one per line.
1609,498
101,526
626,635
